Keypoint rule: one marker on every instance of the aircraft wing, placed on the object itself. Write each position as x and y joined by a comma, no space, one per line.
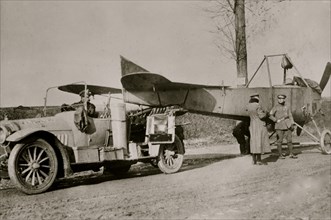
95,90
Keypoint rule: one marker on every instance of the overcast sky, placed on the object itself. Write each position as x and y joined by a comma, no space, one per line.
49,43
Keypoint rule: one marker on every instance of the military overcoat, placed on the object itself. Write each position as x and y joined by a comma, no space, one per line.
259,141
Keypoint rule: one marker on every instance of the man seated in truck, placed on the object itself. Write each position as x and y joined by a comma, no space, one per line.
91,112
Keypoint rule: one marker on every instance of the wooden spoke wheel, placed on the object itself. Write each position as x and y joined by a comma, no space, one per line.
33,166
171,156
326,141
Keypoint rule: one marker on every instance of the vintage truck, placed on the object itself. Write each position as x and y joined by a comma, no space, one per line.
37,151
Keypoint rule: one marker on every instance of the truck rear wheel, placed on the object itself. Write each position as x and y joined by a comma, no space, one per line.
171,156
33,166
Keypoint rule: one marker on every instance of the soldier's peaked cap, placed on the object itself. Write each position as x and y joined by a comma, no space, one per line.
255,95
82,93
281,96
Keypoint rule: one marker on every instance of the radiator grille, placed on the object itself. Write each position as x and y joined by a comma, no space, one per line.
63,138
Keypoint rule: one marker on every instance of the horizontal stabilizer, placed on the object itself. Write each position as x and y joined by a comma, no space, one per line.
143,81
326,76
95,90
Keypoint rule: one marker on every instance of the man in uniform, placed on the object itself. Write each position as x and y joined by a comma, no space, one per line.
283,118
259,140
90,107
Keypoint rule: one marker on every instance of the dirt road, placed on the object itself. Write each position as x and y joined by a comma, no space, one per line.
209,186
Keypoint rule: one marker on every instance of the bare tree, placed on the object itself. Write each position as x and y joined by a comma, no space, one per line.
240,49
231,24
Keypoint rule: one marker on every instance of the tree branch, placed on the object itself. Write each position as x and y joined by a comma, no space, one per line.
230,5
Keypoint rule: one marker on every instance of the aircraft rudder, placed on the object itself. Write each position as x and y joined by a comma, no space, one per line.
127,67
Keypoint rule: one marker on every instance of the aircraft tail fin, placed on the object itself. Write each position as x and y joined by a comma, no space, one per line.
128,67
326,76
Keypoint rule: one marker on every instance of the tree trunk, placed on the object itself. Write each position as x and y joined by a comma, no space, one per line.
241,52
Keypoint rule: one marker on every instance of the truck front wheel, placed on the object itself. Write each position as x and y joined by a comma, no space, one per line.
33,166
171,156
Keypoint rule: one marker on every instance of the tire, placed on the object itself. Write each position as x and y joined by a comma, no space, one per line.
33,166
326,141
171,156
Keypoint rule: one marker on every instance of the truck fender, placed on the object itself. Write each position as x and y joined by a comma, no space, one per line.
55,143
21,134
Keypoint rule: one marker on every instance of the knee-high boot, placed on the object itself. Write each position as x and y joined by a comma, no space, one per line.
254,158
290,148
258,157
279,147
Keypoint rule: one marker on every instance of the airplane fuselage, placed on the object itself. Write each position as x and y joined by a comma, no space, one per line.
230,102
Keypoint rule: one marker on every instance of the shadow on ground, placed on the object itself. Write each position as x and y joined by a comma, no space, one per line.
139,170
273,156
